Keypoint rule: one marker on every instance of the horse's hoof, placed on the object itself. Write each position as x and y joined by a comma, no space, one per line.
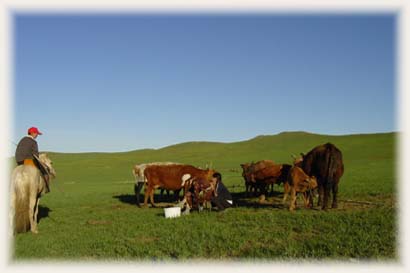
34,231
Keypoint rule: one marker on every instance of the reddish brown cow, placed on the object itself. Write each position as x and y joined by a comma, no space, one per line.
140,180
249,186
299,182
170,177
252,172
265,173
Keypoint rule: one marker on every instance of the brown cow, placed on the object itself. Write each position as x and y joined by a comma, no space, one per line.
253,175
299,182
266,173
140,180
249,186
325,162
170,177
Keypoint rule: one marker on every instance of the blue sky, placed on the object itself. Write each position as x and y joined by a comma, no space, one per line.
132,81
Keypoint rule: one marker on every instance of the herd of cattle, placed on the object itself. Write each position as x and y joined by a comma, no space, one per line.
320,168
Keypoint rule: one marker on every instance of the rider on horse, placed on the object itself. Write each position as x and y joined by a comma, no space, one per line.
27,153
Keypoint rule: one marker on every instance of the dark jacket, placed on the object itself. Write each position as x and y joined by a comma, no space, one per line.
26,148
223,198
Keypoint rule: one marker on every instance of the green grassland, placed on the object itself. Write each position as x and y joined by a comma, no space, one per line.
91,215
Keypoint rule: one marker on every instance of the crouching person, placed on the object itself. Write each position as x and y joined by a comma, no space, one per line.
222,198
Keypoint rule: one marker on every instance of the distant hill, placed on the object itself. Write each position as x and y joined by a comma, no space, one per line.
225,157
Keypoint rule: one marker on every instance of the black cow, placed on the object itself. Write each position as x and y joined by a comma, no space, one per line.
325,162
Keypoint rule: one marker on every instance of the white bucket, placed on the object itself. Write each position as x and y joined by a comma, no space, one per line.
172,212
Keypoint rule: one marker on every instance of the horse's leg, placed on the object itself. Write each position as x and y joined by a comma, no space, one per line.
31,213
36,212
12,212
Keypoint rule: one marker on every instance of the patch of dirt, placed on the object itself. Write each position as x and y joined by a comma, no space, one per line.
343,204
119,207
98,222
144,239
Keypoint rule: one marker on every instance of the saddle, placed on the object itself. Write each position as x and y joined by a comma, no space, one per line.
44,171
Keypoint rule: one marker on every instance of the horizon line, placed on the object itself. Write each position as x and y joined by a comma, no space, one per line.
221,142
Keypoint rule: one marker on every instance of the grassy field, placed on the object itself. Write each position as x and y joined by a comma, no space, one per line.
90,215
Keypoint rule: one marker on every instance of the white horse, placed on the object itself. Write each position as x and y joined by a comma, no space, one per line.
27,185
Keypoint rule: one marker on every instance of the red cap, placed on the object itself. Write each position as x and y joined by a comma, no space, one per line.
34,130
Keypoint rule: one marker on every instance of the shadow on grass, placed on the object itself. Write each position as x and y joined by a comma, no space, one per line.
132,200
43,212
127,198
242,200
239,198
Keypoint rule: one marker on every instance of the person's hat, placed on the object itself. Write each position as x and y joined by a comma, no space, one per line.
34,130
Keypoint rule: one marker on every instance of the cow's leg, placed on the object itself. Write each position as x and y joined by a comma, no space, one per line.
292,205
151,197
176,194
335,189
262,187
310,199
321,193
307,198
327,188
187,210
286,188
181,204
147,193
137,190
188,198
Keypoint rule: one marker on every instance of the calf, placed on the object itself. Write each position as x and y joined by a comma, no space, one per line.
299,182
198,192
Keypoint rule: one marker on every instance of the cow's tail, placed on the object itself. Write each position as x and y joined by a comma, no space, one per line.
20,198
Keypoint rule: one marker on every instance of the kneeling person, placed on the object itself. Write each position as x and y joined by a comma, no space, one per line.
222,198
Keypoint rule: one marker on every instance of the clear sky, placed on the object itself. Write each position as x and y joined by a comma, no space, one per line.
133,81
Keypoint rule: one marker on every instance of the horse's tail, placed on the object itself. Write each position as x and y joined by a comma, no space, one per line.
20,198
